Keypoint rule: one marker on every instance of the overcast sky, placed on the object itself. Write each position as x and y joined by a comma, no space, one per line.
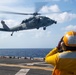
49,38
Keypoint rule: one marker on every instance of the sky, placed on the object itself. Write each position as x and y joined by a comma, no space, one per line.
63,11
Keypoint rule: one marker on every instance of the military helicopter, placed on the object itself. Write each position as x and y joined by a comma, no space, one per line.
34,22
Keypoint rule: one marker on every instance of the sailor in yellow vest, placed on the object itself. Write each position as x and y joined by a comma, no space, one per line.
64,62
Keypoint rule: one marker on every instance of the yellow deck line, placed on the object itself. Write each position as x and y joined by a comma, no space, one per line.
28,67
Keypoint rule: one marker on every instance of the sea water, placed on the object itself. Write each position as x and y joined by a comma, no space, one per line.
25,52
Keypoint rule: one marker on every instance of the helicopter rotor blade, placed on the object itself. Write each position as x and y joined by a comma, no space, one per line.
8,12
39,5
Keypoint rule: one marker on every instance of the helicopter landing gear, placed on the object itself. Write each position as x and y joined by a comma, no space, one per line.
44,28
12,34
55,22
37,27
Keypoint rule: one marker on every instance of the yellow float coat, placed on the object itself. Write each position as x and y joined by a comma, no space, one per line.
65,62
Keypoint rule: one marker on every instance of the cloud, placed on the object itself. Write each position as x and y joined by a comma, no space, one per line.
63,17
56,14
34,33
14,6
53,8
5,2
10,23
69,27
41,34
4,35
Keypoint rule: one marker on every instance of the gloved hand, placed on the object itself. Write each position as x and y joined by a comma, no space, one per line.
59,44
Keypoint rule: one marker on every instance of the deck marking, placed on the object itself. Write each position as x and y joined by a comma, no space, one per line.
29,67
22,72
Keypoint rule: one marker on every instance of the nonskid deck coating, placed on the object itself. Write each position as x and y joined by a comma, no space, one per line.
24,67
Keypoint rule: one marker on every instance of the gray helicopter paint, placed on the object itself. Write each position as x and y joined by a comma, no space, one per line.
31,23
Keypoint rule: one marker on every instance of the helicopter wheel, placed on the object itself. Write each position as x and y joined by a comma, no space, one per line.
37,27
12,34
44,28
55,22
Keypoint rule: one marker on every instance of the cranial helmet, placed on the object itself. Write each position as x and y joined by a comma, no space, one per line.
69,39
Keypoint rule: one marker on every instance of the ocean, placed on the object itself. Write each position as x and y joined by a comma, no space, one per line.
25,52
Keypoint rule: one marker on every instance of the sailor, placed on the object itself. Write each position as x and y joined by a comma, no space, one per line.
64,62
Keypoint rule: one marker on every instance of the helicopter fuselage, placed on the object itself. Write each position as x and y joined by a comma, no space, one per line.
32,23
37,22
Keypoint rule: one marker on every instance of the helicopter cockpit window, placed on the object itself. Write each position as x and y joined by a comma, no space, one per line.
27,20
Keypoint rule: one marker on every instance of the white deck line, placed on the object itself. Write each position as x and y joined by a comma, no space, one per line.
22,72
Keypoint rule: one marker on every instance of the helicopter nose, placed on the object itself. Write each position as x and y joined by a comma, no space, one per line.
55,22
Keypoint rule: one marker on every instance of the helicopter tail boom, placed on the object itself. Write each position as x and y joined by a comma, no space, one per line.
5,26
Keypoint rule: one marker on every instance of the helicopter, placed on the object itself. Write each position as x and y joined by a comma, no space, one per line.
34,22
